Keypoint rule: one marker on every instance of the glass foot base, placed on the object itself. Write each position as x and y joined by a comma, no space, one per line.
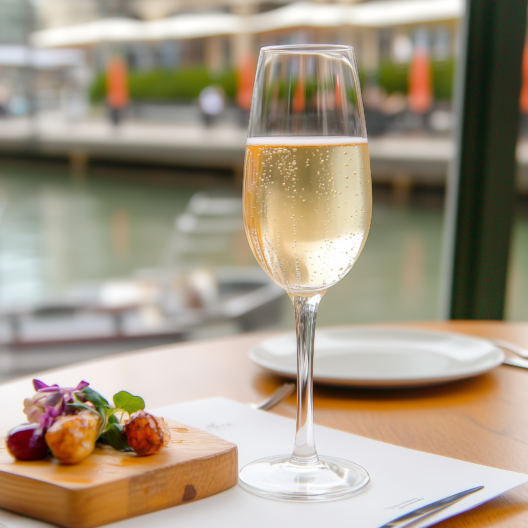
278,478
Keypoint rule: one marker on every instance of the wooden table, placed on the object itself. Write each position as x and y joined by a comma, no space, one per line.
482,420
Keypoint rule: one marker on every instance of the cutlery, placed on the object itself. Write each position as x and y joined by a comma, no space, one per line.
516,362
513,361
410,517
280,394
511,347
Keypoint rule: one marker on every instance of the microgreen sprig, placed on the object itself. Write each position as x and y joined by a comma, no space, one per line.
111,428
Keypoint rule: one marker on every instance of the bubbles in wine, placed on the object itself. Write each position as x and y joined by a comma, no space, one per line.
324,214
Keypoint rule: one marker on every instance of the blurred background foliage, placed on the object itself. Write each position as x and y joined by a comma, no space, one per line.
181,84
394,77
184,84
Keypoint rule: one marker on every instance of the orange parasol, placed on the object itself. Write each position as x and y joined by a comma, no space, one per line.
524,89
420,85
117,88
245,81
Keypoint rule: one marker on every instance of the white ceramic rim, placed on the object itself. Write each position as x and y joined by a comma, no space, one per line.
395,382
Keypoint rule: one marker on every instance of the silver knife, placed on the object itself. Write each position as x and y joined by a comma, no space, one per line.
516,362
408,518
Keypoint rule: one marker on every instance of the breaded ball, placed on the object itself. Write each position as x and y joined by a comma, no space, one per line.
72,438
146,434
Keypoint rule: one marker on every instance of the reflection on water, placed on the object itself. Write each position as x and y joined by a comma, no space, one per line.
56,233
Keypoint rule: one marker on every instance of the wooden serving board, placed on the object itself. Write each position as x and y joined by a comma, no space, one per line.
110,485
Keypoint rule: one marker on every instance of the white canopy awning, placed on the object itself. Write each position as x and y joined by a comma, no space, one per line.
42,59
302,14
192,26
371,14
111,29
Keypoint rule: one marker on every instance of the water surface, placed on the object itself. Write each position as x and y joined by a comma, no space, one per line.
57,231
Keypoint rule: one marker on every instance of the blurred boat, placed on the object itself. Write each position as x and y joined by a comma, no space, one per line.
172,300
137,308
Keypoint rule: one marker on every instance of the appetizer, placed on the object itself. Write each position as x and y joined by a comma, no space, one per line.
146,434
72,438
27,442
68,422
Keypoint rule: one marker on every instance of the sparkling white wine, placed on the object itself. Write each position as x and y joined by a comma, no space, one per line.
307,207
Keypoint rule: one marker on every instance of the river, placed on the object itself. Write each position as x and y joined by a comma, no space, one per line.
58,231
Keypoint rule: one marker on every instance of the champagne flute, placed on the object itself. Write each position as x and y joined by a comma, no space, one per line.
307,209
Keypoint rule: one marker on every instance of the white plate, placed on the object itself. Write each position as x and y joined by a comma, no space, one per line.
383,357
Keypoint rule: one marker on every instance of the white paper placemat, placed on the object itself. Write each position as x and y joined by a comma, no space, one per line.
401,479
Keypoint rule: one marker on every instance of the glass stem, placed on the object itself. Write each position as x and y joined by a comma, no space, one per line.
305,307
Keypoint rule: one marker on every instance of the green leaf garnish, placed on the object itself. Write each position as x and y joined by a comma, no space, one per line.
111,431
109,411
95,397
102,439
128,403
116,438
81,406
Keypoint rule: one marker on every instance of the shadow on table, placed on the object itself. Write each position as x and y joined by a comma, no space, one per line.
454,392
460,390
